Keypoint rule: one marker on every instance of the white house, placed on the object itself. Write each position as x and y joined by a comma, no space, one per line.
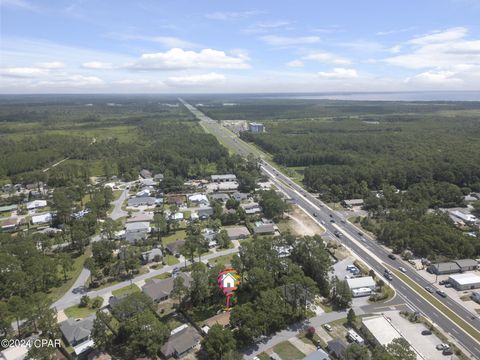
36,204
361,282
41,219
178,216
199,199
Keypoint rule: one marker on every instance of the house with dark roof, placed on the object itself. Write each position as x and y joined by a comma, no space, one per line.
159,289
181,342
77,333
337,347
134,237
174,247
237,232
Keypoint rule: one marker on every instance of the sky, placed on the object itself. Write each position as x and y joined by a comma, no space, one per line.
243,46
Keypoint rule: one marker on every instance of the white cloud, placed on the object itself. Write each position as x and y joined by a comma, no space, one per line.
289,40
194,80
178,59
295,63
394,31
440,36
435,78
229,15
166,41
262,27
26,72
440,50
327,58
52,65
97,65
22,4
339,73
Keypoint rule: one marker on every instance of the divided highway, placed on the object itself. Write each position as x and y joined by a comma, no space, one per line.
365,247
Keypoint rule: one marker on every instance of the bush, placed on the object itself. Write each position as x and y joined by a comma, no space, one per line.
97,302
84,301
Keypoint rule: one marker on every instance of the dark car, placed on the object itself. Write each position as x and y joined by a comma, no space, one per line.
315,214
426,332
331,215
442,293
393,257
332,221
447,352
442,282
360,233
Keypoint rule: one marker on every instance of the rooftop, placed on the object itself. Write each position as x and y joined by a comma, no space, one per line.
361,282
466,278
381,329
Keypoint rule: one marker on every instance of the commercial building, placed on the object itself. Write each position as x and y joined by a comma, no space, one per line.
467,264
353,202
365,282
381,330
444,268
223,178
467,281
255,127
41,219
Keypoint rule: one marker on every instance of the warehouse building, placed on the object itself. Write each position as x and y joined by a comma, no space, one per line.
255,127
467,281
444,268
381,330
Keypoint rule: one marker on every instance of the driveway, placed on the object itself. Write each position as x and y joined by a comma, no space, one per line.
117,211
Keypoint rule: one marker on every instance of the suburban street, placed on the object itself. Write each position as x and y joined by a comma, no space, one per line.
371,252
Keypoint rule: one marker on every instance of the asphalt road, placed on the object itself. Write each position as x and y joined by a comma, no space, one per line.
366,248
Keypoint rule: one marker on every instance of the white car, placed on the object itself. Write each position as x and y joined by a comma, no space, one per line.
402,269
327,327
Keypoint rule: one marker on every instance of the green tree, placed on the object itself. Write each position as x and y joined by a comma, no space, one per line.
101,334
400,349
199,289
179,290
351,317
357,352
222,239
272,204
341,294
218,342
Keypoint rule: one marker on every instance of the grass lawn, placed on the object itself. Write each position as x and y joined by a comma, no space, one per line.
171,260
287,351
177,235
160,276
221,260
263,356
187,214
77,312
58,292
130,289
439,305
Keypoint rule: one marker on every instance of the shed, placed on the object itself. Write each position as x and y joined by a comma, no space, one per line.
361,282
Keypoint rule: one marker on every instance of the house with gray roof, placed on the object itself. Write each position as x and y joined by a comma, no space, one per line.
142,201
134,237
239,196
181,342
77,333
444,268
219,197
237,232
467,264
152,255
145,174
264,229
174,247
159,289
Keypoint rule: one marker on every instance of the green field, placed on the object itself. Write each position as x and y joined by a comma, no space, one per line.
287,351
130,289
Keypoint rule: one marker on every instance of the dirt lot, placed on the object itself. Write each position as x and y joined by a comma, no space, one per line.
301,224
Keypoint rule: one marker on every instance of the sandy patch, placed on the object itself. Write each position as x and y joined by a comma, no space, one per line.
301,224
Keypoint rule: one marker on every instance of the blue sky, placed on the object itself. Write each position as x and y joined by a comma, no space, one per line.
147,46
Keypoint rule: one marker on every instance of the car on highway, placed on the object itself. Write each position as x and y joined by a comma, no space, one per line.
388,276
426,332
337,234
360,233
315,214
342,221
331,215
442,293
332,221
322,222
429,289
402,269
393,257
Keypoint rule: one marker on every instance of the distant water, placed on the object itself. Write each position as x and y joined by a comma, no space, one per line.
387,96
